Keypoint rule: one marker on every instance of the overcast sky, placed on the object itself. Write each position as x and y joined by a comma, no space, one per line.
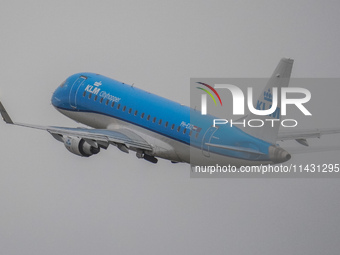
53,202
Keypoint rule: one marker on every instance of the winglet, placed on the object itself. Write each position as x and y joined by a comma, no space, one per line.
5,115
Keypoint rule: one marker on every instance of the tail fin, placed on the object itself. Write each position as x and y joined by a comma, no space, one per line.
279,79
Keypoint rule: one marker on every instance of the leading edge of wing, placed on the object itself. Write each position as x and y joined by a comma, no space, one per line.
120,136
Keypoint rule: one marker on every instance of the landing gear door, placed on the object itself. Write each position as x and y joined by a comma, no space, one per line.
74,91
206,139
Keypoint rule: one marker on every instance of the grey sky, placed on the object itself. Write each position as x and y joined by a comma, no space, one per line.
53,202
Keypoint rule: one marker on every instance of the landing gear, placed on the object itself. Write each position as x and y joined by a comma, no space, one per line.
141,154
151,159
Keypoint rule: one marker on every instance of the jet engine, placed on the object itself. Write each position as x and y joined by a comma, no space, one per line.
80,147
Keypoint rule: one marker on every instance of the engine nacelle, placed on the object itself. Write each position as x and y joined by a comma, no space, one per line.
80,147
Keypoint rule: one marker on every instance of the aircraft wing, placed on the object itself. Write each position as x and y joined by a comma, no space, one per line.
102,137
301,135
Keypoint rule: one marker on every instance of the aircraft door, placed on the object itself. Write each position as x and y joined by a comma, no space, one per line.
74,91
206,139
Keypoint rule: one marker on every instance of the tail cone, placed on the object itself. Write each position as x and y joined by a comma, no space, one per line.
278,155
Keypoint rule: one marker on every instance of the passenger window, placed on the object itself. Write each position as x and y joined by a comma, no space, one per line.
173,126
130,110
160,122
166,124
142,116
184,131
190,132
101,100
84,93
124,108
179,128
118,106
113,104
136,113
107,102
148,117
90,96
154,120
196,135
95,98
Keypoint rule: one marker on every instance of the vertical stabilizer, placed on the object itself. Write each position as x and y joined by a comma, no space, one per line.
279,79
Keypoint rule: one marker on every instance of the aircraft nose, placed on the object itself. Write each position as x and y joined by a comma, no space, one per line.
55,99
59,96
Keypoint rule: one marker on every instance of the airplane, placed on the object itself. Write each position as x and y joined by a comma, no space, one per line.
155,127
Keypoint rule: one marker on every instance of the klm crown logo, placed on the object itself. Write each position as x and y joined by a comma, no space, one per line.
97,84
268,95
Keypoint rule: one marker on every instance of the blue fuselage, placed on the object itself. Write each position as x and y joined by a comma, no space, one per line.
104,103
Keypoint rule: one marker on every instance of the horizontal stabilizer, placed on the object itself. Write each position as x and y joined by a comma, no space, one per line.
306,133
303,150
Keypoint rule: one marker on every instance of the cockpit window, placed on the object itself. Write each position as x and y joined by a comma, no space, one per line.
62,85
